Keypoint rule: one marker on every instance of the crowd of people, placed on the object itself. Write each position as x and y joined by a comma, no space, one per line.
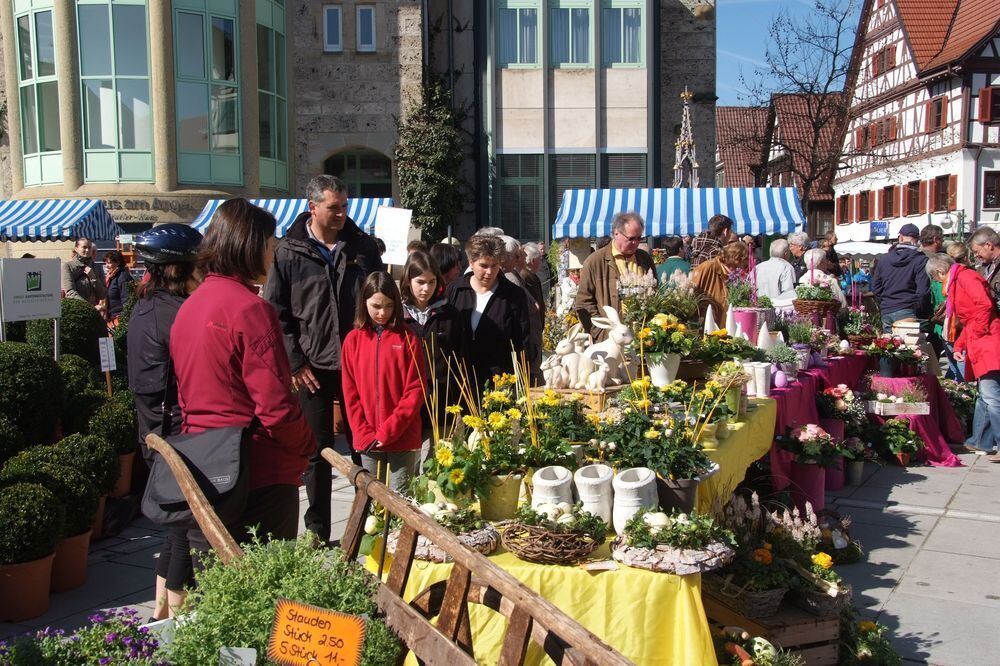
307,337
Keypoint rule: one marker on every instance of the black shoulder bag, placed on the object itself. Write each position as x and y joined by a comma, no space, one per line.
218,461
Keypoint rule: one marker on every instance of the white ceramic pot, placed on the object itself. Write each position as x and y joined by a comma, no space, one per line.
663,370
762,379
805,356
635,489
594,487
752,384
551,485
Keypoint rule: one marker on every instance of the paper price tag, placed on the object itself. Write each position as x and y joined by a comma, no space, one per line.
305,635
107,349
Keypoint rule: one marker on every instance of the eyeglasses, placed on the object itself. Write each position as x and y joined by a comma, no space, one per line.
630,239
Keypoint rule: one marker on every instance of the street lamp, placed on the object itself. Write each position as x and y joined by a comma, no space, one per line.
956,221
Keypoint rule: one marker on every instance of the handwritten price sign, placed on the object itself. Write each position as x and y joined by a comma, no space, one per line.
305,635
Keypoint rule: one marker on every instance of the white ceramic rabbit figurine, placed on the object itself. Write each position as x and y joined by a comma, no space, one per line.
599,377
612,348
550,370
569,355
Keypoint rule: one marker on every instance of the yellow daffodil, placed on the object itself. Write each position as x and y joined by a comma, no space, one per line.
642,383
642,404
453,409
456,476
822,560
514,413
473,422
503,380
721,333
445,457
652,433
866,625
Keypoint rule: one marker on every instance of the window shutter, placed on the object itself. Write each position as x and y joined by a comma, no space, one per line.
898,201
952,192
891,56
944,112
881,204
893,128
932,191
873,134
859,138
871,204
928,121
922,196
852,208
874,65
985,104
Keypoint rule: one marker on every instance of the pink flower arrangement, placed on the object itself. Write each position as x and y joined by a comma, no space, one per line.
810,444
809,433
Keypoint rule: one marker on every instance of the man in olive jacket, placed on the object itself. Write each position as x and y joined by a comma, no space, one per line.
601,271
318,270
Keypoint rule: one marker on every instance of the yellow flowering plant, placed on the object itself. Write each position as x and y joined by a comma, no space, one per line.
665,334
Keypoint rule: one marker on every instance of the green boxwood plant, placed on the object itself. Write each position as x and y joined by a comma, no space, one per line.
45,465
83,393
115,422
32,520
94,457
79,328
11,440
30,390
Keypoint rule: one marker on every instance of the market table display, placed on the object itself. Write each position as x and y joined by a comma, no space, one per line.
748,441
651,618
935,429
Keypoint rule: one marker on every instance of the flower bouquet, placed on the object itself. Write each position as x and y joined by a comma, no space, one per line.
838,402
896,358
816,299
860,326
663,342
811,445
549,534
678,543
900,440
825,593
835,538
639,298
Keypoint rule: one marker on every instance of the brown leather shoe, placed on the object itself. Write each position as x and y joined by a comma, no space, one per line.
995,458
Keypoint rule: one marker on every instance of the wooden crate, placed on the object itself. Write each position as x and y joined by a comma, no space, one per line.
595,401
817,639
898,408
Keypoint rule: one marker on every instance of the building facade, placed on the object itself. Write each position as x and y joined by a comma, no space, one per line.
923,135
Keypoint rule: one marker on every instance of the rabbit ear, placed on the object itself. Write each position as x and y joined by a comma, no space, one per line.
602,322
574,330
612,314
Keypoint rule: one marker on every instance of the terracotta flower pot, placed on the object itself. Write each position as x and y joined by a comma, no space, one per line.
903,459
808,485
124,484
97,526
69,570
24,589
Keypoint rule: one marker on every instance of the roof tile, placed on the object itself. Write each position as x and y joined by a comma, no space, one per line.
942,32
739,131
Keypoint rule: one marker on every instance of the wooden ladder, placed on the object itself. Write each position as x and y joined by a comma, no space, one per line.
473,579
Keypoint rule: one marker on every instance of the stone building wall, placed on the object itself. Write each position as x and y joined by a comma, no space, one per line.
349,99
5,174
687,57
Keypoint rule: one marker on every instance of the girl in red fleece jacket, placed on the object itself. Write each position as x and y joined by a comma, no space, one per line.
383,371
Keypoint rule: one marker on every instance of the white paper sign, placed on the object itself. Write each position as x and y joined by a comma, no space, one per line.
392,225
107,349
29,289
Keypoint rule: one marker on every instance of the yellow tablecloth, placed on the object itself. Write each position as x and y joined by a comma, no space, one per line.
651,618
748,440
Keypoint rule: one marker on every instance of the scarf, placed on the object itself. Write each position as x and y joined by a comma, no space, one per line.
950,327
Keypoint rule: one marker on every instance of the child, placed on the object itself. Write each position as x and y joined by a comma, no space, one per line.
434,320
383,364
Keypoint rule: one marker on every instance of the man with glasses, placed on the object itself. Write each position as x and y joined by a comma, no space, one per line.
603,269
81,277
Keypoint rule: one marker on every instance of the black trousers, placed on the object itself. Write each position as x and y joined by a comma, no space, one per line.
272,510
317,408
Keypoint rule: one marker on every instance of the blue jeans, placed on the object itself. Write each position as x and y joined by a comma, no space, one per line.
986,420
956,369
889,318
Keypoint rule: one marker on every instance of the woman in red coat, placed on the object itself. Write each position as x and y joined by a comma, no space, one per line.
969,303
383,371
227,352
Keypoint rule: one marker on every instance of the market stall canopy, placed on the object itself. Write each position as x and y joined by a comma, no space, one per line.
680,211
861,249
362,211
56,219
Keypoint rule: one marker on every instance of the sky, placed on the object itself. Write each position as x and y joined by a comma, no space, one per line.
741,41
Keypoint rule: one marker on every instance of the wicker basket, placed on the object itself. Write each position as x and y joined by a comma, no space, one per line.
667,559
484,541
822,604
748,604
858,341
809,308
537,544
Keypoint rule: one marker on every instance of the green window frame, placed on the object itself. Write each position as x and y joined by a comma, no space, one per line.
272,94
623,43
520,200
576,50
208,97
516,21
38,93
113,47
366,172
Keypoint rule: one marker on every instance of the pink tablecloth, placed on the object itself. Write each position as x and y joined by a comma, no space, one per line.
937,428
797,403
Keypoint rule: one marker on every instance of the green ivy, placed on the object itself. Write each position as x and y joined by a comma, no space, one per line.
429,160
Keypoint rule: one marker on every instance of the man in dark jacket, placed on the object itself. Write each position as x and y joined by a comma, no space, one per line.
900,283
318,269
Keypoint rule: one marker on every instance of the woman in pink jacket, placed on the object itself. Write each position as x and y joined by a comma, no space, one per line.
383,374
231,366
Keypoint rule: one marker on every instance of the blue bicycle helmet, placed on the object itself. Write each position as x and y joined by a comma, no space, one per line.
172,243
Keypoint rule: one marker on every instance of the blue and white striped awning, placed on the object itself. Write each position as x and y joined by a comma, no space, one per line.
680,211
362,211
56,219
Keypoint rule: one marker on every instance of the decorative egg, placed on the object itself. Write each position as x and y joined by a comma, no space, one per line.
430,508
566,519
780,380
565,507
443,514
551,511
845,345
371,525
451,507
657,519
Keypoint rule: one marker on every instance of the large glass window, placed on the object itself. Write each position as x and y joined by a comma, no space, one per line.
569,172
365,19
570,30
517,25
520,196
208,94
114,79
272,98
621,33
367,173
627,170
333,28
39,97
